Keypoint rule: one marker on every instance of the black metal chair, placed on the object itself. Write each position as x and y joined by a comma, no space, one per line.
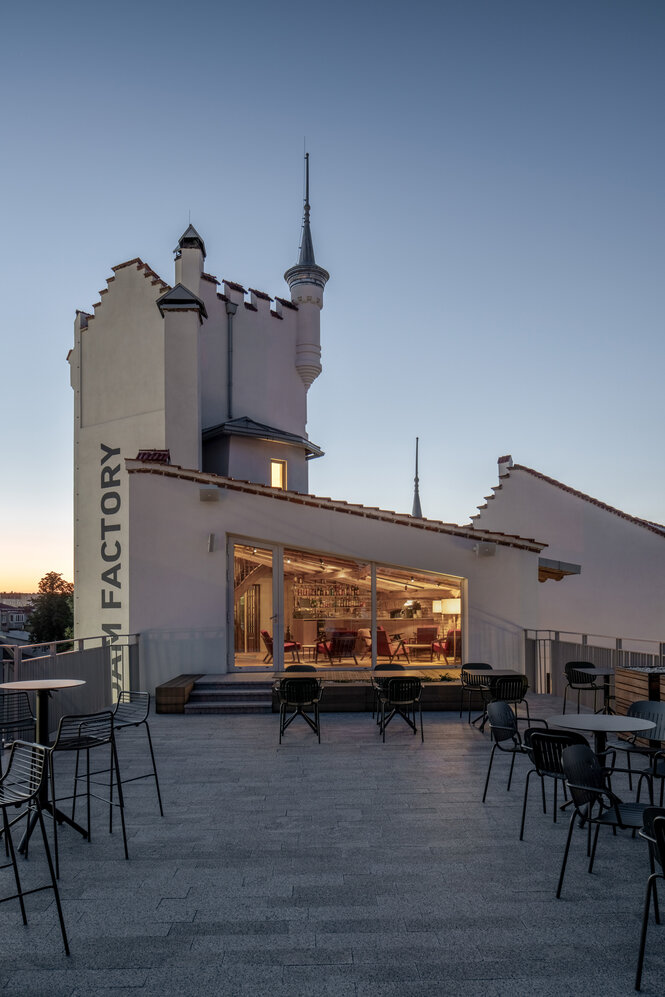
545,749
298,695
511,689
86,732
579,679
16,719
506,737
379,683
401,697
593,802
20,787
471,683
654,832
132,710
654,710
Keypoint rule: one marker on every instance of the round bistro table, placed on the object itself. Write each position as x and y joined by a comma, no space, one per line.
600,725
43,688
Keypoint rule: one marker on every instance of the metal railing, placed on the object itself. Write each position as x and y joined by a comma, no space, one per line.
106,666
547,651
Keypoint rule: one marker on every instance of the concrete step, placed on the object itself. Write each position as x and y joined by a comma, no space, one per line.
246,686
237,706
211,694
229,695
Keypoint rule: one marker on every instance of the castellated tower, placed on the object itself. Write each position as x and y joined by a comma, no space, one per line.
203,374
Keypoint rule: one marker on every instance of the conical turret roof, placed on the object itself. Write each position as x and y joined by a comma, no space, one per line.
190,239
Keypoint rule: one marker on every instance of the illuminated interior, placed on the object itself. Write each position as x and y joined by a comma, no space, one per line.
325,594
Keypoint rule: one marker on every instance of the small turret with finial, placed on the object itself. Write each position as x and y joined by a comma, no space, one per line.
306,281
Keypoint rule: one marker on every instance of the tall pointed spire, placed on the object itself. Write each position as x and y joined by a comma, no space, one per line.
306,244
306,270
416,511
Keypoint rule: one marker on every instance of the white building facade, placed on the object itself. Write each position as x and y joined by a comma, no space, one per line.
603,572
193,523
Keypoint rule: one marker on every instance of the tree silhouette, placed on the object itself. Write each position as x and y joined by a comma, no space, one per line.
53,615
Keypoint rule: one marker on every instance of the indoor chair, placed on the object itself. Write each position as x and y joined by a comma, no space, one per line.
290,646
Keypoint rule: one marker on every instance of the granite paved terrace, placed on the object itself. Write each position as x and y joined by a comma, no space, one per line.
349,868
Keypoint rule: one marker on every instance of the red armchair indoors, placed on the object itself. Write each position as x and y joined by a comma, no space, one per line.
449,646
385,648
289,645
342,644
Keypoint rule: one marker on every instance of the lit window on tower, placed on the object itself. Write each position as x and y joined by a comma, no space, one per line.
278,474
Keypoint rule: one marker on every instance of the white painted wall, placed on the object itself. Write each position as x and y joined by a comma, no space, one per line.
621,589
266,385
117,373
179,590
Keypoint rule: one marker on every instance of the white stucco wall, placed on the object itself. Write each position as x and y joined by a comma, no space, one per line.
266,385
620,591
117,373
179,589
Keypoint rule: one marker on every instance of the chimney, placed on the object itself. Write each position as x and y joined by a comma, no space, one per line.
505,464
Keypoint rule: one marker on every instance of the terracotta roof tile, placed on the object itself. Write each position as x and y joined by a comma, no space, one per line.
209,276
261,294
250,307
276,315
352,509
235,287
154,456
287,303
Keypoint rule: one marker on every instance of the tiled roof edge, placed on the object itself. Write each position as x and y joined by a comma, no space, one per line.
652,527
336,505
148,272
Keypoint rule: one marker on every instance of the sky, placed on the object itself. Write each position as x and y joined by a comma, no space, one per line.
487,195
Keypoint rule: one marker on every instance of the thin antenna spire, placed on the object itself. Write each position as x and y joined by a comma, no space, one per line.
416,510
306,187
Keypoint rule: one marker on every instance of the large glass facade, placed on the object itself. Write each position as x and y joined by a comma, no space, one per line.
326,596
325,603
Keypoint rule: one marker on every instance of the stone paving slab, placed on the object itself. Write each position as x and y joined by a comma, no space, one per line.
349,868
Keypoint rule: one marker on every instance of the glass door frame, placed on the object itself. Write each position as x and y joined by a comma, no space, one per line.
277,617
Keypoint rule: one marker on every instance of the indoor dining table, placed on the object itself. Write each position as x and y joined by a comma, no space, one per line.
43,688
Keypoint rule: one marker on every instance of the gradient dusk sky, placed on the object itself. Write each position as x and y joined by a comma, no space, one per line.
487,194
